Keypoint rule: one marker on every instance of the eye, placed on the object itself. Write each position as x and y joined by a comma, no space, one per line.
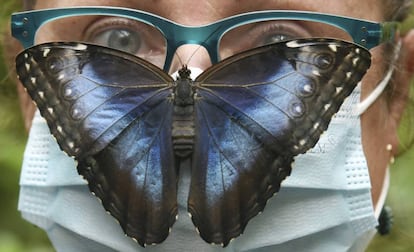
274,38
129,35
257,34
276,31
121,39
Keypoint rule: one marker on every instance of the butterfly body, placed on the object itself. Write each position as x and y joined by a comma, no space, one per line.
241,123
183,128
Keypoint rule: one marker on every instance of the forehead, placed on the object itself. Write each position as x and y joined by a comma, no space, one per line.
192,12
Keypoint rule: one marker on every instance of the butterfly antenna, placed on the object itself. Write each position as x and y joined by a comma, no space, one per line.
194,52
179,59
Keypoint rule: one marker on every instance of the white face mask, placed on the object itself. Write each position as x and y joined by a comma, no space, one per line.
324,205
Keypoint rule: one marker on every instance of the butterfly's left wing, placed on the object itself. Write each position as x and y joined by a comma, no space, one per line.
112,112
254,112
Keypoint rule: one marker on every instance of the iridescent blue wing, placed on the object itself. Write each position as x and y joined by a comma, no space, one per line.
112,113
254,113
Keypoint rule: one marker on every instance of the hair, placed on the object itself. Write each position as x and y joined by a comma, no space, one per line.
396,10
399,10
28,4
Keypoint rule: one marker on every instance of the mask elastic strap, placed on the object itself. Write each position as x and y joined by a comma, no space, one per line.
371,98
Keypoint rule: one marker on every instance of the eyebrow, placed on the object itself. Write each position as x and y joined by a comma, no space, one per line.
236,7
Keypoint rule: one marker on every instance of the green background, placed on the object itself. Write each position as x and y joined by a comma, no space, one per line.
17,235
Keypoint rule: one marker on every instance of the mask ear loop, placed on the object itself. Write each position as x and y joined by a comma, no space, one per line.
371,98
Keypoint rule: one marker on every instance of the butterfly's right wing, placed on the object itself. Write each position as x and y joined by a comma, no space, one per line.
112,112
255,112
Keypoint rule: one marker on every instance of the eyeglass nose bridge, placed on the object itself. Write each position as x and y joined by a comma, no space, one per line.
207,37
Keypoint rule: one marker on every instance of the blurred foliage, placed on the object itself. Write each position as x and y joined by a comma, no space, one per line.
400,195
17,235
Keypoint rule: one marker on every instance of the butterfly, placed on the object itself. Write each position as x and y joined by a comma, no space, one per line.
241,123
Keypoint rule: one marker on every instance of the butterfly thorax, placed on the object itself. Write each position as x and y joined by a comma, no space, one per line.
183,114
183,90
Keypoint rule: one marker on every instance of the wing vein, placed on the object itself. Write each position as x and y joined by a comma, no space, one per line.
128,113
215,142
242,112
271,82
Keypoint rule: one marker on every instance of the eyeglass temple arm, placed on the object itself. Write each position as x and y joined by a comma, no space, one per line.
20,28
389,31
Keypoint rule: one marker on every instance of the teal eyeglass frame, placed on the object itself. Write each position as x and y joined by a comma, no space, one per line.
24,26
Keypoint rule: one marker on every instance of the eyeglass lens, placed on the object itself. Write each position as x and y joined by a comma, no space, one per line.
147,42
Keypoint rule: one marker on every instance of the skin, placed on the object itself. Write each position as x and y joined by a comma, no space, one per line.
379,124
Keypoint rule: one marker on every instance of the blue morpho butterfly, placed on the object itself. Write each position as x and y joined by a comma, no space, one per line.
241,122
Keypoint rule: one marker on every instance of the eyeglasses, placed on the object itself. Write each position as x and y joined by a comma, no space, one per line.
156,38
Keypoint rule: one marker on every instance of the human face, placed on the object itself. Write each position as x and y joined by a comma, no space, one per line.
376,122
